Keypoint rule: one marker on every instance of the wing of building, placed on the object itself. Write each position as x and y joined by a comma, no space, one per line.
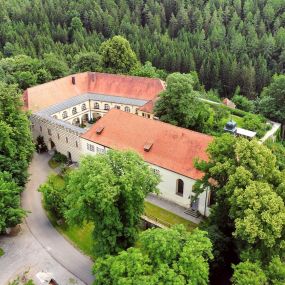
89,113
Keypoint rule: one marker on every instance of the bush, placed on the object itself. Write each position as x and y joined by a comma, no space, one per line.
54,193
256,123
40,145
59,157
243,103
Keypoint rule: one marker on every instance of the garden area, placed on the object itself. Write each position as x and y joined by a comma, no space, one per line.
81,236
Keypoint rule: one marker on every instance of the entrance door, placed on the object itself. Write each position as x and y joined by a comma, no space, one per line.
194,203
52,145
69,156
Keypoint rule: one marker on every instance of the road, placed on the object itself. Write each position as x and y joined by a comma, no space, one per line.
39,246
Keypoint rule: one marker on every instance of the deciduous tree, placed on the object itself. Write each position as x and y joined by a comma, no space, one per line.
109,190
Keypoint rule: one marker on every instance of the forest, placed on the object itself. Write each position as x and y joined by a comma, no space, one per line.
230,43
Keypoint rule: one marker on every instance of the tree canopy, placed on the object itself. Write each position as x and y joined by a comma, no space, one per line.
16,146
11,213
117,55
272,101
109,190
248,213
165,256
229,43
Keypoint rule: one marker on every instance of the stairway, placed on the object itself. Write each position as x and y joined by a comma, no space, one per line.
193,213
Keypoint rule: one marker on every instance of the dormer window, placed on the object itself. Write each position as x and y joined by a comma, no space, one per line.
147,147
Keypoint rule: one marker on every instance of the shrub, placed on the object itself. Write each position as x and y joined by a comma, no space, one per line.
40,145
59,157
54,193
256,123
243,103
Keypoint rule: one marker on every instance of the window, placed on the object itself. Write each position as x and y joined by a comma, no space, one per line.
66,139
49,132
55,116
118,107
137,111
143,114
41,129
64,115
127,109
106,107
58,137
83,107
74,111
179,187
100,150
90,147
76,144
156,171
96,105
148,116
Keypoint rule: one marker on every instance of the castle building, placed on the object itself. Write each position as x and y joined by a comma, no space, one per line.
89,113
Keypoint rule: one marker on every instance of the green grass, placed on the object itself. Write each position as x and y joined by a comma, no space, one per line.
1,252
79,236
166,216
53,164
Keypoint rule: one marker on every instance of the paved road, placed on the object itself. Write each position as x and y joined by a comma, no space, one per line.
40,245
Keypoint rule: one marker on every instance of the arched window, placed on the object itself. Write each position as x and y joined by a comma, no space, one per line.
179,187
64,115
107,107
74,110
83,107
96,105
127,109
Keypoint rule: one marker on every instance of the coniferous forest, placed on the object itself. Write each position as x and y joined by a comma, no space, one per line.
229,43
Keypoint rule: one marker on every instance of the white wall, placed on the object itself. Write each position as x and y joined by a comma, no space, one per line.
168,184
64,139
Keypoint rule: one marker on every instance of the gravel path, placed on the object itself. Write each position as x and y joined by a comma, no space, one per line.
39,246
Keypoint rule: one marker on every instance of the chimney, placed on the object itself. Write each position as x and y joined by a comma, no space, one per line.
73,80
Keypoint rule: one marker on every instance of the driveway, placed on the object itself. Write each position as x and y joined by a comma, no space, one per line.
39,246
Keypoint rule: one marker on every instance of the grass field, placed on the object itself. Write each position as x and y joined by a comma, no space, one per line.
166,216
53,164
79,236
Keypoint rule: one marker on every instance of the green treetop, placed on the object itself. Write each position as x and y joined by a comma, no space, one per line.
118,56
109,190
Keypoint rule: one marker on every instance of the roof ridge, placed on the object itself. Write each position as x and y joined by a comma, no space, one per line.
160,122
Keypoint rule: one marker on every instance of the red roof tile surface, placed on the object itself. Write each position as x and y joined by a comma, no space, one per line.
51,93
172,147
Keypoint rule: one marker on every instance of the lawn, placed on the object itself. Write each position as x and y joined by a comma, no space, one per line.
53,164
81,236
166,216
1,252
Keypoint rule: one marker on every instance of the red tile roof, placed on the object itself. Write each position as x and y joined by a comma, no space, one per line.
51,93
148,107
172,148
